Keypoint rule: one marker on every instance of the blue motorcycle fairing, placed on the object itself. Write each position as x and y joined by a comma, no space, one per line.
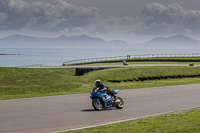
107,100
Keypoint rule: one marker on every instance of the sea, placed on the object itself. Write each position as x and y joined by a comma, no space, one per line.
24,57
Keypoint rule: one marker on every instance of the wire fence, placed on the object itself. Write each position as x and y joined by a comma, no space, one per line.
89,60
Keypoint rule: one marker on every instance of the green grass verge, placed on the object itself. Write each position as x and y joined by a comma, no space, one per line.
180,122
28,82
135,72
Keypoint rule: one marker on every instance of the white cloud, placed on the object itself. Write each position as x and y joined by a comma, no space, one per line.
115,25
54,15
64,31
78,31
155,19
187,31
172,19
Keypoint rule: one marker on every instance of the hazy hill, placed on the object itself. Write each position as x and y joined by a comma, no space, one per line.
172,42
21,41
61,41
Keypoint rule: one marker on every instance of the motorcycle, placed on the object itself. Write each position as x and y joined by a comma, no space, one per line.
101,100
191,64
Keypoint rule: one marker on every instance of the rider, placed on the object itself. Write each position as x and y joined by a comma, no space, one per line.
125,63
103,87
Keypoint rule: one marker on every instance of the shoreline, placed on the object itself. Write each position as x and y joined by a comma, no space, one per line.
11,54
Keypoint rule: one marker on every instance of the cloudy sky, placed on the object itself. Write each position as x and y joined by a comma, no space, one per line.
129,20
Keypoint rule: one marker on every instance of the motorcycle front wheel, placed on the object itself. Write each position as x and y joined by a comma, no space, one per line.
97,104
119,103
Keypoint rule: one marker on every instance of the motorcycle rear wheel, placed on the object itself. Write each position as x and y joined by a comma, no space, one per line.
120,104
97,105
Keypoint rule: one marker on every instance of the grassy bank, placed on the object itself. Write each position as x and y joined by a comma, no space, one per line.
180,122
28,82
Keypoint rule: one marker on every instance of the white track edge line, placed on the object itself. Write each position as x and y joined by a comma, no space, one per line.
147,116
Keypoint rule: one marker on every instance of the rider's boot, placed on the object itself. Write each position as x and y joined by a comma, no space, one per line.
114,98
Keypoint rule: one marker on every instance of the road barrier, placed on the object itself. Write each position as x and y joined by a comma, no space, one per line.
90,60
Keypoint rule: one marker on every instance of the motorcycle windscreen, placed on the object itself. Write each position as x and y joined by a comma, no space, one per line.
115,91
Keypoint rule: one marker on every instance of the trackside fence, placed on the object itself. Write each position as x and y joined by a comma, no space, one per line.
89,60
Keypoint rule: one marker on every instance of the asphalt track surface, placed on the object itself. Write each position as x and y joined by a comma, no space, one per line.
66,112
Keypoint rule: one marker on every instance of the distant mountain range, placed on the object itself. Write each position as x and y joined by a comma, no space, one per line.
61,41
21,41
176,41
